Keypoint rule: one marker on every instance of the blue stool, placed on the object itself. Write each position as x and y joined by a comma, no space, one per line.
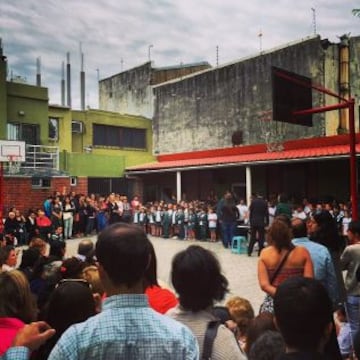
239,245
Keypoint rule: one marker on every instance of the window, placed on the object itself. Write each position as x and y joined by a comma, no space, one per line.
30,133
40,182
13,131
73,180
53,129
118,136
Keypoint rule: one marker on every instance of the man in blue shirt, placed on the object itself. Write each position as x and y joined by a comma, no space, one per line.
127,328
320,256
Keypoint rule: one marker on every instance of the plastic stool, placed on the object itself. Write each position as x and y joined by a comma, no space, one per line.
239,245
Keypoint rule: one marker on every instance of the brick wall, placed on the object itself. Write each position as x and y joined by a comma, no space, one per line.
19,192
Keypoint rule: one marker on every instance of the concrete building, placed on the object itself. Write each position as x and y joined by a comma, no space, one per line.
197,117
130,92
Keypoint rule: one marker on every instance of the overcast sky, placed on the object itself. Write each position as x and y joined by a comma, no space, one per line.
117,34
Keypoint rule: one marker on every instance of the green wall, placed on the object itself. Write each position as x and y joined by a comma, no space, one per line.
93,165
32,102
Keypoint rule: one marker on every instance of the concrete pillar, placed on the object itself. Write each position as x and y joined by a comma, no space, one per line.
178,186
248,185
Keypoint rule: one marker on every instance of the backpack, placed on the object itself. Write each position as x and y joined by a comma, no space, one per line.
210,335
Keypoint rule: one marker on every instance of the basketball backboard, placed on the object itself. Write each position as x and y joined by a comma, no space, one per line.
12,150
291,92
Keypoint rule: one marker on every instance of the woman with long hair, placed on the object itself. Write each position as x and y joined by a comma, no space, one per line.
322,228
281,260
17,306
70,303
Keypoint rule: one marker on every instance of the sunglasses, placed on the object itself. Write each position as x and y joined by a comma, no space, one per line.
72,281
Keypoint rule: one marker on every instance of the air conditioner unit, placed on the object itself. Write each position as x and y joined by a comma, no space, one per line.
77,127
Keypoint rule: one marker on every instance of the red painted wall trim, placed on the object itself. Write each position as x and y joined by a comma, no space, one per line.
259,148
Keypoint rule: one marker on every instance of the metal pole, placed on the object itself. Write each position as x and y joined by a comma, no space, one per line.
353,164
178,186
1,196
248,185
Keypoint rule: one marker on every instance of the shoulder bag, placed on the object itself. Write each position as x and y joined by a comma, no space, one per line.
268,303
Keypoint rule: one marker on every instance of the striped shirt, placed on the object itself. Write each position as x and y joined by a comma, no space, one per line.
127,328
225,345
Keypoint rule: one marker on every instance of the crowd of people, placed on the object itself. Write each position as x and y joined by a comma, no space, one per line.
76,215
106,302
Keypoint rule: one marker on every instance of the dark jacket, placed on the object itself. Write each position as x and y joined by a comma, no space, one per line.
259,213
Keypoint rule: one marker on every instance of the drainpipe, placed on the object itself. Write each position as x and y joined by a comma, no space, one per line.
344,80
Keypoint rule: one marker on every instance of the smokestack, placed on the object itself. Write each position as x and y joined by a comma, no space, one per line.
63,83
82,83
38,71
68,79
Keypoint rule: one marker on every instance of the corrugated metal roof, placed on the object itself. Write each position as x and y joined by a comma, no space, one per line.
314,153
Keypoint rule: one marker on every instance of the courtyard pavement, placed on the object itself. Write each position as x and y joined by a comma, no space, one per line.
239,269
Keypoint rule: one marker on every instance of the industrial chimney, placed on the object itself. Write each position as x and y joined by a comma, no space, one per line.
63,83
82,82
68,80
38,71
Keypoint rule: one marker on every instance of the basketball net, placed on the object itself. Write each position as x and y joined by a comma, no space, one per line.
272,132
13,164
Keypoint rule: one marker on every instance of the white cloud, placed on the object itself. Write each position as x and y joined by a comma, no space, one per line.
186,31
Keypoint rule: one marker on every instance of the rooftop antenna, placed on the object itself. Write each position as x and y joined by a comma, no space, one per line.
260,35
217,55
314,20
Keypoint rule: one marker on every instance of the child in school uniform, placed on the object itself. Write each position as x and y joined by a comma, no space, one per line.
202,221
57,234
191,224
167,222
136,215
180,223
212,223
186,220
151,220
142,218
159,214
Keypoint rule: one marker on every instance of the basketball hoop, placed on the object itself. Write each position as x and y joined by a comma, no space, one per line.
272,132
14,164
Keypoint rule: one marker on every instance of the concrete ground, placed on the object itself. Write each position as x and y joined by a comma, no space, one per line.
239,269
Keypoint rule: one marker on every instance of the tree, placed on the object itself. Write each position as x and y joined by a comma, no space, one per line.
356,12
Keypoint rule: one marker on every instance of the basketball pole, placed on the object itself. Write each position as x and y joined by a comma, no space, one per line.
350,105
353,165
1,196
344,104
